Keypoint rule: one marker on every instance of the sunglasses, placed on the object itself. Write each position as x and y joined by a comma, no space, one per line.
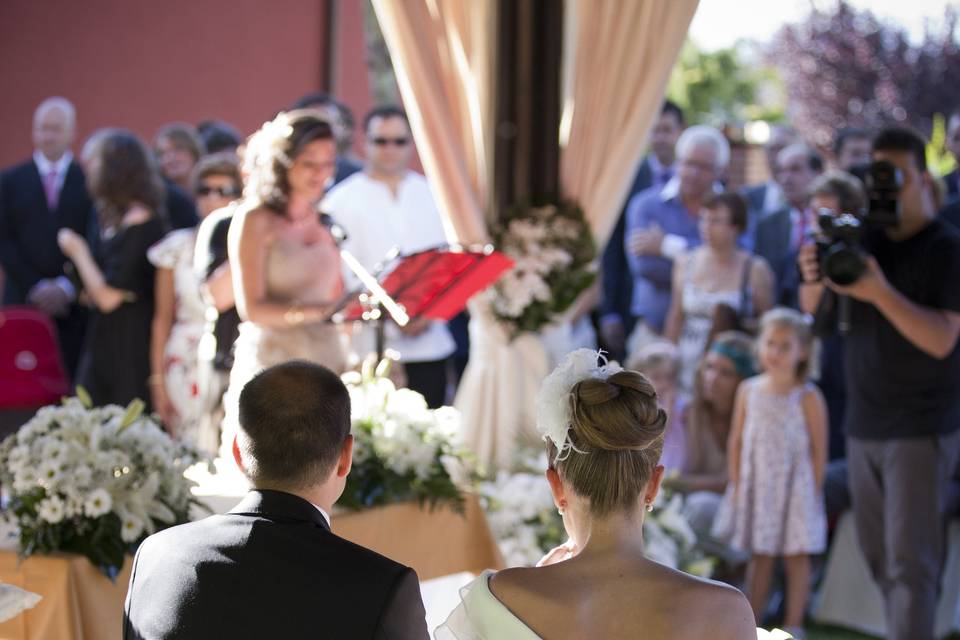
223,192
399,142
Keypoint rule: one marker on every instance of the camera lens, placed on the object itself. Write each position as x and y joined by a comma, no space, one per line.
843,264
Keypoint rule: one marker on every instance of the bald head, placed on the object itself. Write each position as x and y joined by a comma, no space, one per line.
54,123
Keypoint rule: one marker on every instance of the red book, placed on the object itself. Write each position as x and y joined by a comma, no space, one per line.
437,283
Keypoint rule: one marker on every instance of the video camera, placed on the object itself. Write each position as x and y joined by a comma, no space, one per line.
839,251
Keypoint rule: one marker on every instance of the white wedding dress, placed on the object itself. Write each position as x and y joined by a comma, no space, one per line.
480,616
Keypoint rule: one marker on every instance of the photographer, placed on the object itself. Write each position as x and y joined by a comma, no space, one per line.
902,373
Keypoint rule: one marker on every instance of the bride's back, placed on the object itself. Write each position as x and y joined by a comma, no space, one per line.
612,597
610,435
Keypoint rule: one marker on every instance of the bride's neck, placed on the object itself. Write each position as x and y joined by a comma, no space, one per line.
619,532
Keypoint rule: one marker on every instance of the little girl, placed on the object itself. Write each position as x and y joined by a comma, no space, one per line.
777,453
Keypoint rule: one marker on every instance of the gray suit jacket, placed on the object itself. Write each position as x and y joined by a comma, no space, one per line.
772,243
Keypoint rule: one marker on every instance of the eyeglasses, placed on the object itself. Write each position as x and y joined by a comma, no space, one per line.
223,192
398,142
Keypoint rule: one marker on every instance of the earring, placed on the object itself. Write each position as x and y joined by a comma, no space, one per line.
649,507
563,504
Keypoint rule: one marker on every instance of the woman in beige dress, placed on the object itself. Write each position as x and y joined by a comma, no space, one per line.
285,264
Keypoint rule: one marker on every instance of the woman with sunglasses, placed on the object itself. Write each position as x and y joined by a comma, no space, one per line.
178,318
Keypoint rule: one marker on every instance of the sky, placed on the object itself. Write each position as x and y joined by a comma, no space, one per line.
720,23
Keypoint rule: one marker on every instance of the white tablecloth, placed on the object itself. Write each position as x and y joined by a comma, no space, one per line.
850,598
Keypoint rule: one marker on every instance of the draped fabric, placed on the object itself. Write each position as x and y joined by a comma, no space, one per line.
443,57
617,58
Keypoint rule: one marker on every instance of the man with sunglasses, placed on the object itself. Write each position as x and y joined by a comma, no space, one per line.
388,206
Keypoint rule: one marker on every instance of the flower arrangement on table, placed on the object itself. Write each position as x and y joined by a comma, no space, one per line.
93,480
526,525
553,252
402,450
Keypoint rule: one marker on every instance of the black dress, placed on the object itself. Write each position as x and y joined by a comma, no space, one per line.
116,362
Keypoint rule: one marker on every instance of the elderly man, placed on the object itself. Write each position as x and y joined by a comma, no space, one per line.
780,234
37,199
662,223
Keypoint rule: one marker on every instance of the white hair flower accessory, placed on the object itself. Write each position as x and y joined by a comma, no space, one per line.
553,405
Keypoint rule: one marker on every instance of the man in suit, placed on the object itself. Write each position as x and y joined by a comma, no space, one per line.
37,199
272,568
780,234
766,198
656,169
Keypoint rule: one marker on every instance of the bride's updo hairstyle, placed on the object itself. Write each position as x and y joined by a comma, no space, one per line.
616,430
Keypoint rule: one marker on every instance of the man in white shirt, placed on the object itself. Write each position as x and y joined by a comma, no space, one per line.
387,206
37,199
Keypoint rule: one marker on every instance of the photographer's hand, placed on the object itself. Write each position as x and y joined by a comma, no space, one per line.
811,287
870,287
933,331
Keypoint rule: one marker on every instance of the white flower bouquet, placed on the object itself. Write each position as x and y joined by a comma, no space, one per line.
526,525
401,449
93,481
553,251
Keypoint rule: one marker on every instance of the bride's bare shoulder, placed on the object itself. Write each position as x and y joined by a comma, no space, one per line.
721,611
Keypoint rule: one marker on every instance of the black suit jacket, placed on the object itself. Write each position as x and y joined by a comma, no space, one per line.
617,279
28,229
270,568
28,242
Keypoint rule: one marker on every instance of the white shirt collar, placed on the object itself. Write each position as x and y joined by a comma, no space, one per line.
45,166
326,516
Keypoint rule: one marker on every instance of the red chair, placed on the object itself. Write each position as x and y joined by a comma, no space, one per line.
31,371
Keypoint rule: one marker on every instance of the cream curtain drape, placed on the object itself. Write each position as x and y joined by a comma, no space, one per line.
619,61
618,55
443,57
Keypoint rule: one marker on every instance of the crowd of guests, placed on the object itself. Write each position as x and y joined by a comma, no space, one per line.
705,288
175,273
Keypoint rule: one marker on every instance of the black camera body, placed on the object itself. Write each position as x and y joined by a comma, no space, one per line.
839,249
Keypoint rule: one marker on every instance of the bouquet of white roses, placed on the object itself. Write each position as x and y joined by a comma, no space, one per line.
526,525
401,449
93,481
553,251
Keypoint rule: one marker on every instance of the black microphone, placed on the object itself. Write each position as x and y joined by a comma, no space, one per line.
339,233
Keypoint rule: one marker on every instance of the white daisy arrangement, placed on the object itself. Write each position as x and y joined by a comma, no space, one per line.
402,450
553,253
93,480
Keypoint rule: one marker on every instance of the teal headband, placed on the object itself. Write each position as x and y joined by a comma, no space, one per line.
742,362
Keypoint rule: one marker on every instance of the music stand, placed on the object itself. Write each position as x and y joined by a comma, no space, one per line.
435,284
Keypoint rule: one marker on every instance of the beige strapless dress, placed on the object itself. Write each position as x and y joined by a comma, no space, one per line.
296,274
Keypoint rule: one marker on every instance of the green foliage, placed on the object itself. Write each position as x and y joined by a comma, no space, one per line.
939,159
718,88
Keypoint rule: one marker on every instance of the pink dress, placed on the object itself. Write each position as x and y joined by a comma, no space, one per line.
776,508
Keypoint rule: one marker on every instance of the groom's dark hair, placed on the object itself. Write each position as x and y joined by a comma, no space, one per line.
294,418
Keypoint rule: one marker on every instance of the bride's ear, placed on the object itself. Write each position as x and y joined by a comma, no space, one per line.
556,488
653,487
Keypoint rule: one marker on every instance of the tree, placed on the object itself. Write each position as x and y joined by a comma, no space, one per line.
844,67
718,88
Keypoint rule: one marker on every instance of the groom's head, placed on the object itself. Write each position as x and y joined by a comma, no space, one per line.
294,427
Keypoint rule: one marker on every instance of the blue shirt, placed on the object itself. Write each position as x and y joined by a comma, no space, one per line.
652,274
